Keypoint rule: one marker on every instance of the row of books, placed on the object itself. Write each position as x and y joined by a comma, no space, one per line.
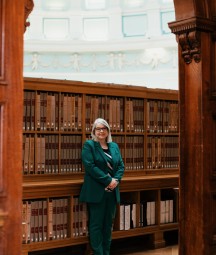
162,116
44,220
162,152
48,111
80,218
134,158
70,159
48,219
108,108
134,115
51,154
71,112
167,214
112,109
147,214
128,215
51,111
41,154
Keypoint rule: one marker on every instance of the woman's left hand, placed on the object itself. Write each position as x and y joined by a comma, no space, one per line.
113,184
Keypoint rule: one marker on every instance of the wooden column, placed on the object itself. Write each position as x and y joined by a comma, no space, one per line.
11,104
194,36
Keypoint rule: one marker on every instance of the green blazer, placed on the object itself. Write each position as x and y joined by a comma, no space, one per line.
96,171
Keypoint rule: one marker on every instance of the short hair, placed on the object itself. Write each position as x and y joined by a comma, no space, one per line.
105,123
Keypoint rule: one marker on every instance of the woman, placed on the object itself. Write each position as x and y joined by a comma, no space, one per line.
104,169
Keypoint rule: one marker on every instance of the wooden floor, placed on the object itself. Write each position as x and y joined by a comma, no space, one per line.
171,250
139,245
143,245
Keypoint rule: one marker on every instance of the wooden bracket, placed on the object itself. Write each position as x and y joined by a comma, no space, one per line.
190,45
188,34
29,5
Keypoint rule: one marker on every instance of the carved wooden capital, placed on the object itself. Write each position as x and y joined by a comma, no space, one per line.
29,5
190,45
188,35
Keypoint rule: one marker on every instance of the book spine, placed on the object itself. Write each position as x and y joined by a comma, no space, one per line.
134,215
45,220
79,113
48,113
50,219
24,110
57,113
31,155
38,156
42,154
32,222
65,217
28,110
53,113
32,111
40,220
69,113
24,222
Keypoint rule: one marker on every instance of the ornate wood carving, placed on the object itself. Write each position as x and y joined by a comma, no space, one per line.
29,5
190,45
188,35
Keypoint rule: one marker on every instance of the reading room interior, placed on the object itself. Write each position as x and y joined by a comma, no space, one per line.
109,99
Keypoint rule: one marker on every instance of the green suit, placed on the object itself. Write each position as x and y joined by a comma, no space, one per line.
101,204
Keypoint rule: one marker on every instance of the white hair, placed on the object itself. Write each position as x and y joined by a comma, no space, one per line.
102,122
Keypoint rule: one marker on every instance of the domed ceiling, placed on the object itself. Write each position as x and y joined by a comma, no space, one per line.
115,41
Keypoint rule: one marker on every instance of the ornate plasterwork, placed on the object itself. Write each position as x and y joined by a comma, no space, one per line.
29,5
100,62
188,35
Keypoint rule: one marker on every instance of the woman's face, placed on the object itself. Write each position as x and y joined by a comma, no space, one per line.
101,132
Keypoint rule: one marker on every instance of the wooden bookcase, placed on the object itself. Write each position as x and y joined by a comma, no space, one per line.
57,120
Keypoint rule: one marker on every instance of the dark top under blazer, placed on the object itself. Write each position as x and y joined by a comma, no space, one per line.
96,171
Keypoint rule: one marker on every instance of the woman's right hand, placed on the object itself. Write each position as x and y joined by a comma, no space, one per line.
113,184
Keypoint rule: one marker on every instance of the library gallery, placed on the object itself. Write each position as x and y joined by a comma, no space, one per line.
194,28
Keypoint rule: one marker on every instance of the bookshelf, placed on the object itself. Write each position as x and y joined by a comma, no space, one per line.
57,117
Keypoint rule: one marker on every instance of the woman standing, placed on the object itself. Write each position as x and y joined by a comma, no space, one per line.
104,169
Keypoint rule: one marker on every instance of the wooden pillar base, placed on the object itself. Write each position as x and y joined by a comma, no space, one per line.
88,250
158,240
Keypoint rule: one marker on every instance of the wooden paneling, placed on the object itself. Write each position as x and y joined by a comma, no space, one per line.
11,85
2,32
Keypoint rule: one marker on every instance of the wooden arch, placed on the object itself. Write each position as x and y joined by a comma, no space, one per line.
195,28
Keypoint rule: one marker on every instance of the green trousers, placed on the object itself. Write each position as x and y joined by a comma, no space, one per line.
101,217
